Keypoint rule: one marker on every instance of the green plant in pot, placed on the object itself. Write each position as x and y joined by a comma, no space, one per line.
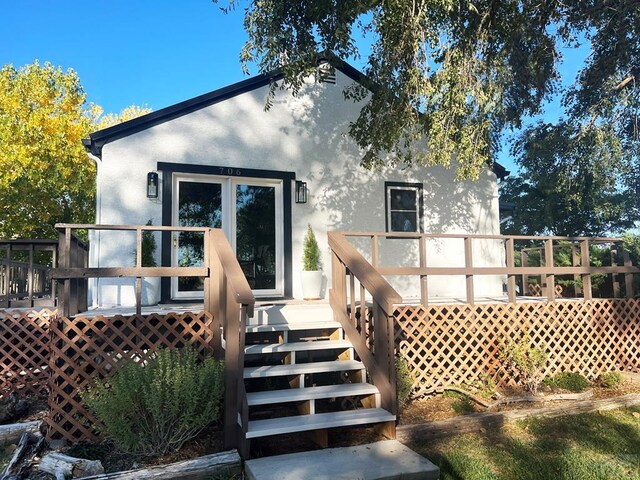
150,285
311,274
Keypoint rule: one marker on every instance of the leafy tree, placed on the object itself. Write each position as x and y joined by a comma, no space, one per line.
452,75
101,121
569,183
45,174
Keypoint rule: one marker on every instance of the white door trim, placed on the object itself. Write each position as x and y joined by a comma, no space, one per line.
228,198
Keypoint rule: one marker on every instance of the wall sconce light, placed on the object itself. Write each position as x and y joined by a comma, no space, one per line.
152,185
301,192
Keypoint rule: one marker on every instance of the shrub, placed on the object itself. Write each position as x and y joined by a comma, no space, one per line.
572,381
525,362
156,407
149,247
311,252
610,379
404,382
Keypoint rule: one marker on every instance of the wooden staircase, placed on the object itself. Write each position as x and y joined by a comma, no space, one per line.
301,375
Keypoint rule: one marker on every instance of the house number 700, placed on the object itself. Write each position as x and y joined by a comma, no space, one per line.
230,171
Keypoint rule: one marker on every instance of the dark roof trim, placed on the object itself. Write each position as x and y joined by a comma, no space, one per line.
96,140
500,171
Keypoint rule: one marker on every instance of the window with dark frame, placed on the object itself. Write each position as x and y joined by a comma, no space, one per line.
403,207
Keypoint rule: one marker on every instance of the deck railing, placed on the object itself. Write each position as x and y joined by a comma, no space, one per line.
227,296
369,328
582,269
25,283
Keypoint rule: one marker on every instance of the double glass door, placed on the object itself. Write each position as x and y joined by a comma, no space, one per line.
248,210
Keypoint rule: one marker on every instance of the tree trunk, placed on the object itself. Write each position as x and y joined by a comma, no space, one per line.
12,433
63,466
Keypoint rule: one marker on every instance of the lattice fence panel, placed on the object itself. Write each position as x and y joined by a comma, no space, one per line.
460,344
83,349
24,350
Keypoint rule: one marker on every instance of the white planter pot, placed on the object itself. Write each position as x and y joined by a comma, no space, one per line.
311,284
150,291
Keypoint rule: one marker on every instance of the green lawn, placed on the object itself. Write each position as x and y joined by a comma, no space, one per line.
593,446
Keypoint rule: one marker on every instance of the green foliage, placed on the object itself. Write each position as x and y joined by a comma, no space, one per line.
523,361
610,379
149,247
569,182
572,381
404,382
46,177
454,75
311,254
45,174
631,243
154,408
461,404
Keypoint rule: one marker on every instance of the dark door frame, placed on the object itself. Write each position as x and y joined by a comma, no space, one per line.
168,169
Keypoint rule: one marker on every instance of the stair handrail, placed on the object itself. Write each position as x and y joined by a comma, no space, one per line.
369,328
229,297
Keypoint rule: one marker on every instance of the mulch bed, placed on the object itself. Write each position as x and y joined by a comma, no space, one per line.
441,407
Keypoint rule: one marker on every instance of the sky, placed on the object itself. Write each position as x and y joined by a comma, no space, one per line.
150,53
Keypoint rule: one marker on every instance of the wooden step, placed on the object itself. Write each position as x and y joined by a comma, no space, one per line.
281,327
302,423
297,346
300,368
310,393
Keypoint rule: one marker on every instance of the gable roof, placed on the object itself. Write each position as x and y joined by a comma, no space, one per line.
98,139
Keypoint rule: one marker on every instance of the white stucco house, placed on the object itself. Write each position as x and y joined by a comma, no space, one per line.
221,160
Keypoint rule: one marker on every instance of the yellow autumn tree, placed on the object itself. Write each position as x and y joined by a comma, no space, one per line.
45,174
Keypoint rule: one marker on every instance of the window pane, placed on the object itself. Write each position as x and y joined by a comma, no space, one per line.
404,222
256,234
199,205
403,199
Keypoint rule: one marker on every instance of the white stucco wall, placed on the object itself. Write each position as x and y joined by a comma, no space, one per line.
306,135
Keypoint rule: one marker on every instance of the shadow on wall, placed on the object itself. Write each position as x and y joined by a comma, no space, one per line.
352,198
343,186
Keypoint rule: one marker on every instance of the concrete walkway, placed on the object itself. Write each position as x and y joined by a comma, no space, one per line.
386,460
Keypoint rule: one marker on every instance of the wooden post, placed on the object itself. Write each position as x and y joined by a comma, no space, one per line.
232,373
511,263
548,263
339,284
352,298
54,263
73,282
363,308
383,348
524,260
84,283
424,282
575,261
468,263
614,278
138,265
586,263
64,251
628,277
30,276
374,251
7,270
